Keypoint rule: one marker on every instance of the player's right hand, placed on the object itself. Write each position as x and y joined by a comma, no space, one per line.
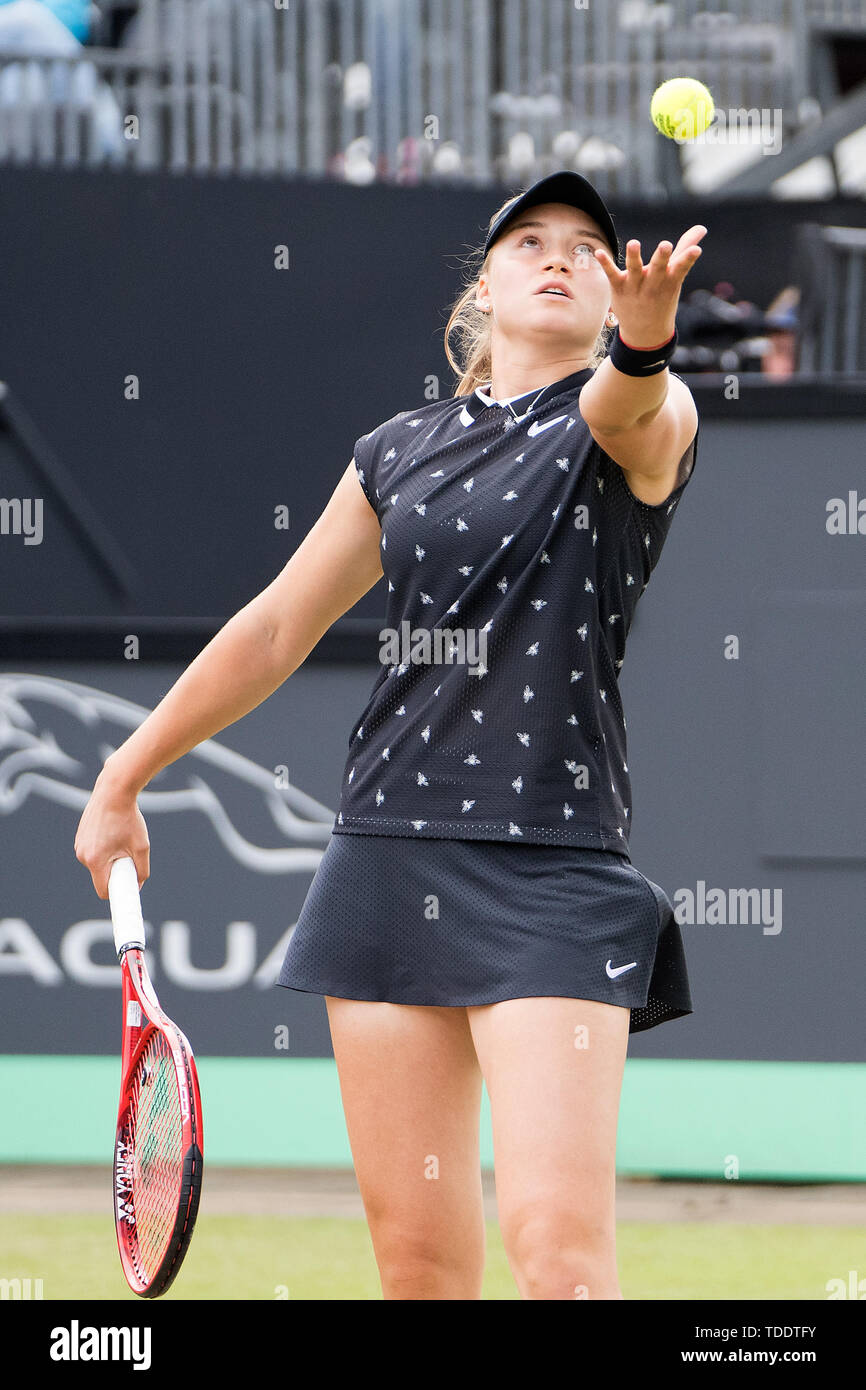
111,827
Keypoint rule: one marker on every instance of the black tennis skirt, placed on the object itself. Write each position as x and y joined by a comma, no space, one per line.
456,922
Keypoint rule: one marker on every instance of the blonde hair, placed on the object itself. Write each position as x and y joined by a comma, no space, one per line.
472,326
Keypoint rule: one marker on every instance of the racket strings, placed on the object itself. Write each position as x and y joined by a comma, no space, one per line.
156,1143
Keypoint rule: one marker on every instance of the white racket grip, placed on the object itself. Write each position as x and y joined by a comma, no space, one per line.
125,903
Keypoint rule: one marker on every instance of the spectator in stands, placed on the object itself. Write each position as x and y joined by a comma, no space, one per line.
34,29
780,359
718,333
75,14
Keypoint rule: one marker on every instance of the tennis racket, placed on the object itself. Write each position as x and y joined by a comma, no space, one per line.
158,1147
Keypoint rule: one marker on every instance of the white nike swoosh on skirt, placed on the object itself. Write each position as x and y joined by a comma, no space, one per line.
619,969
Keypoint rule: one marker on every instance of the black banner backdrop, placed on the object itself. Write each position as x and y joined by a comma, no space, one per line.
252,383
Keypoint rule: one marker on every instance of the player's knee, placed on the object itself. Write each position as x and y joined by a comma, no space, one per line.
423,1268
563,1255
570,1274
413,1250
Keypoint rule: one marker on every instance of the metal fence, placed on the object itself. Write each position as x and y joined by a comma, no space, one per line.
468,91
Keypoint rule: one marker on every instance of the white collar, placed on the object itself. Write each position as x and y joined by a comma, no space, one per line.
481,392
480,400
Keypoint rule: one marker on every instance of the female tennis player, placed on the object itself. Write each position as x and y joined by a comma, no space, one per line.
476,913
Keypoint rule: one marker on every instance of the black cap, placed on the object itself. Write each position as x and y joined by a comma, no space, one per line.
562,187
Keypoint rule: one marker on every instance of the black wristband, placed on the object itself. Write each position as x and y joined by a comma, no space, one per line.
640,361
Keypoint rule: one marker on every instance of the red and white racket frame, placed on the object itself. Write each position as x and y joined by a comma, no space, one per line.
142,1017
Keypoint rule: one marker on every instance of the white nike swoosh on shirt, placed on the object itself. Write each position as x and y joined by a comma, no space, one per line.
619,970
538,425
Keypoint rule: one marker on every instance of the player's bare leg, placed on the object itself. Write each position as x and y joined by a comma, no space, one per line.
553,1069
411,1090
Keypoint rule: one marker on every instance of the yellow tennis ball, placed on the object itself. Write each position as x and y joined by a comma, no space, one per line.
682,108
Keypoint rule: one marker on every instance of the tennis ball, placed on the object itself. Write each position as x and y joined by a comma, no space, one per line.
682,108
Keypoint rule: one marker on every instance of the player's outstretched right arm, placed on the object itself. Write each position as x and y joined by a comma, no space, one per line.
338,561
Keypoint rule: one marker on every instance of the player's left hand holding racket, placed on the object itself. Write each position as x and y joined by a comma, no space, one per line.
158,1147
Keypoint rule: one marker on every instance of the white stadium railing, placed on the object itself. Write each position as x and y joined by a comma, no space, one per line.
405,91
832,275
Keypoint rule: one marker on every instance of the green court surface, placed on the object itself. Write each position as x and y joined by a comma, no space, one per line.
263,1258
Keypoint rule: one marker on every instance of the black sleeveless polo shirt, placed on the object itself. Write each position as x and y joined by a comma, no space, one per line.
514,554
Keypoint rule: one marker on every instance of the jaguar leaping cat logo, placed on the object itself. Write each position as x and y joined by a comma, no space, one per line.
55,735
